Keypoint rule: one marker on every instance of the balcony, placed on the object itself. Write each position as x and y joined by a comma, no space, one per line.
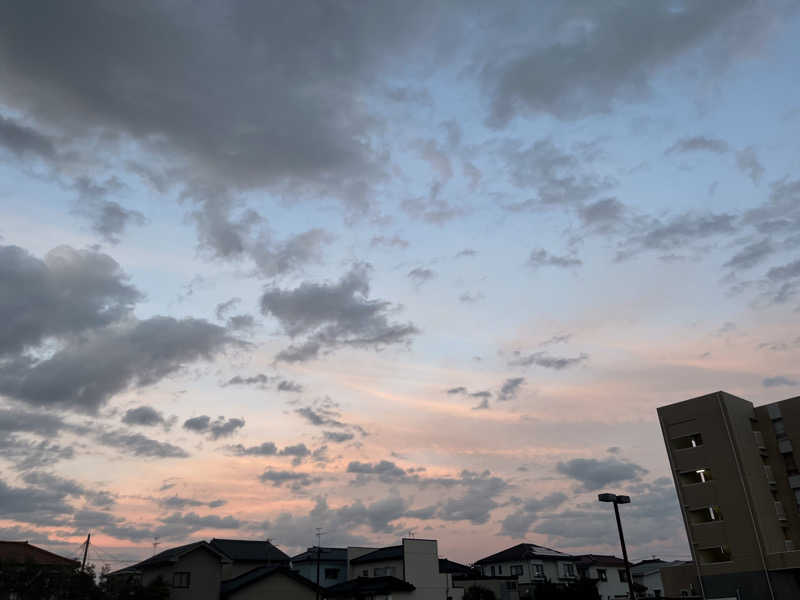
794,481
780,511
785,446
759,437
769,474
788,545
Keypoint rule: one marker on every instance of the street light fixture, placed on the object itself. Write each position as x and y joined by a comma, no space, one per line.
616,500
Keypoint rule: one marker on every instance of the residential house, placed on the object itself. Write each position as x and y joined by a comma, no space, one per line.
647,575
608,572
22,564
410,570
463,577
246,555
531,564
192,571
332,565
275,581
17,554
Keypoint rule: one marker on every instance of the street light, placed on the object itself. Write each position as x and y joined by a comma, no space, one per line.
616,501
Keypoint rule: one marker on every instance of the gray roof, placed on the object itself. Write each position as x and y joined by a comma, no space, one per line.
172,555
250,550
388,553
523,552
231,585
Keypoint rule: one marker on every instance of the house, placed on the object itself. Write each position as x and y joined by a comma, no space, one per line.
608,572
192,571
37,572
275,581
332,565
531,564
681,581
246,555
409,570
647,574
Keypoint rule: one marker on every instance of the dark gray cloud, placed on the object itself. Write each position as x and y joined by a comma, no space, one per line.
26,454
478,501
389,242
295,480
433,208
23,453
84,375
143,415
263,449
332,315
33,505
107,217
263,381
545,360
698,144
420,275
182,525
259,380
592,56
510,388
561,338
338,437
751,255
69,292
68,487
517,524
137,444
216,428
466,253
385,470
676,233
23,140
781,212
779,380
470,298
592,474
785,272
285,385
542,258
604,214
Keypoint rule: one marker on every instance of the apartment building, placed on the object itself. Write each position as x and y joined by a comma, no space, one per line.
738,486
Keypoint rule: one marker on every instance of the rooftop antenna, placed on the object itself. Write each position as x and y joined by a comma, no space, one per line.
411,533
155,544
320,533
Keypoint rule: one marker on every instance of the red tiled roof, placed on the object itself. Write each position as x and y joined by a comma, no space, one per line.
20,553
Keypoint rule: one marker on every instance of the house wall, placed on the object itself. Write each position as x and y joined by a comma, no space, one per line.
499,587
358,569
553,570
275,587
613,587
421,559
308,569
205,579
652,581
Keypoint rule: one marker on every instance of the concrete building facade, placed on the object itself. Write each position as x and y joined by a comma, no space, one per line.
738,486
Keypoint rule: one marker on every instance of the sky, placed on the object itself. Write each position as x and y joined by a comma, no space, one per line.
384,269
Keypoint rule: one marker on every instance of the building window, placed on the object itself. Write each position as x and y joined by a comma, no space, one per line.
569,570
365,573
714,554
516,569
499,569
623,576
538,570
780,430
331,573
602,575
493,571
695,476
383,571
704,515
687,441
181,579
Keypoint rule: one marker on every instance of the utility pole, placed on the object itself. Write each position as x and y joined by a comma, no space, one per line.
320,533
85,552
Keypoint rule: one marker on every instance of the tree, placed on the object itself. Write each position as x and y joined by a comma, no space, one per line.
475,592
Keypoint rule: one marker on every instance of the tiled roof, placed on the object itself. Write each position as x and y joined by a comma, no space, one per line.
231,585
388,553
250,550
600,559
329,554
523,552
366,586
448,566
172,555
25,553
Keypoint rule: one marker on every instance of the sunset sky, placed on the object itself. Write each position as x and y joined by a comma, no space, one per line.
384,267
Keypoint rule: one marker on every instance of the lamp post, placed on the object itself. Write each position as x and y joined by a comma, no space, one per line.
616,501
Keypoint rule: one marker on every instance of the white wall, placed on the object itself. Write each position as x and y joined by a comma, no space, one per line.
422,569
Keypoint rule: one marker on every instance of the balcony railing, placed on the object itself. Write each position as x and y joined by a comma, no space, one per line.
781,512
784,446
769,474
794,481
759,439
788,545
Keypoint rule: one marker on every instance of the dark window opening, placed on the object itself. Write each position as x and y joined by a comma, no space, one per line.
181,579
687,441
331,573
696,476
714,555
705,515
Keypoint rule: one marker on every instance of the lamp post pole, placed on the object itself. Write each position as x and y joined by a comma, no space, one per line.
616,501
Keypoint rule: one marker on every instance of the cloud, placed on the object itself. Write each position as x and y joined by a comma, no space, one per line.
333,315
137,444
421,275
179,503
676,233
482,405
84,375
751,255
218,428
296,481
261,380
466,253
33,505
477,503
263,449
107,217
69,292
698,144
779,380
545,360
510,388
748,163
604,214
542,258
337,437
469,298
593,474
518,523
593,57
561,338
143,415
389,242
68,487
23,140
385,470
